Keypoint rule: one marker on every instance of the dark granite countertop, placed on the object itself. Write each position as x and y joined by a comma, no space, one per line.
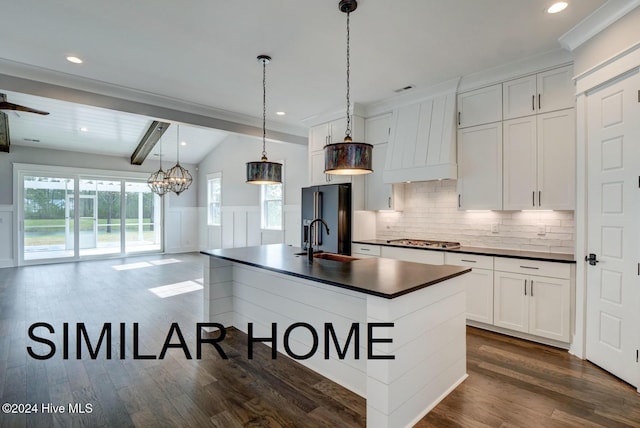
382,277
516,254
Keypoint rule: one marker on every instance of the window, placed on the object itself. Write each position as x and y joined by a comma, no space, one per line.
214,198
271,206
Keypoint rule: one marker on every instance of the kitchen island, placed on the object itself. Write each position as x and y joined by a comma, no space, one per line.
391,331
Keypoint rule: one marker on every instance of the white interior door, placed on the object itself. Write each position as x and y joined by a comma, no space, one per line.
613,304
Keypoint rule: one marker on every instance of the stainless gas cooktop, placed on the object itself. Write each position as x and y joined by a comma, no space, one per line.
424,243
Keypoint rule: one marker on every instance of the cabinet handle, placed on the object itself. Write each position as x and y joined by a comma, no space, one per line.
531,289
539,102
533,102
389,203
529,267
539,198
364,249
459,204
468,261
458,118
533,198
525,287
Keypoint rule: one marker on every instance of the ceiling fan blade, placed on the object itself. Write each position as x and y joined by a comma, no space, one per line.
4,105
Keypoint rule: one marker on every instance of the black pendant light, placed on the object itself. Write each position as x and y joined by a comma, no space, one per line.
348,157
263,171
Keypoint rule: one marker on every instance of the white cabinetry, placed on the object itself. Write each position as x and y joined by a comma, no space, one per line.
539,93
478,284
328,133
413,255
363,251
378,194
480,106
533,297
480,164
539,161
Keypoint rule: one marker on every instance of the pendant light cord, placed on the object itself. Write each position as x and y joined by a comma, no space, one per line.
348,131
264,109
178,147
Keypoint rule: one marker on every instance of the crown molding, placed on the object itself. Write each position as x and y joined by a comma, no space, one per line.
356,109
600,19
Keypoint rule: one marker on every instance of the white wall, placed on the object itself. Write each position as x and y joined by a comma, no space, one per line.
430,212
241,201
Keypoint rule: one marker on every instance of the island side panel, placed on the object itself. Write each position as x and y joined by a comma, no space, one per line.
218,291
429,345
263,297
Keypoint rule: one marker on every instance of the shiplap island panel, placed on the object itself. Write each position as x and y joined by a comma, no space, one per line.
412,312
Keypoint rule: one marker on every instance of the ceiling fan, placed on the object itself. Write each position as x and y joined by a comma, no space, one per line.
5,105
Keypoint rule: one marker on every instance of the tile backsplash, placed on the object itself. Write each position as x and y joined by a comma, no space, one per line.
430,212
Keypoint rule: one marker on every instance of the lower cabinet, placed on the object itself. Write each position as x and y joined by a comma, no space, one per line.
478,283
527,296
413,255
532,304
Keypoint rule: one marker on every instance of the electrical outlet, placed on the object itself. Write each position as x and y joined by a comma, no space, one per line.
495,228
542,230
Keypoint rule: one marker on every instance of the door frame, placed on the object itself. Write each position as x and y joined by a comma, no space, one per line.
20,170
625,62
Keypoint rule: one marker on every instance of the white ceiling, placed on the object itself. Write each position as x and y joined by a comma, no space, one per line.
203,53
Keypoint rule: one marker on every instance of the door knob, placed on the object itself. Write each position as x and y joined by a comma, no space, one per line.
591,258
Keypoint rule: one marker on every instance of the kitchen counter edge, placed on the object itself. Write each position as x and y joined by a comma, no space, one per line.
355,275
497,252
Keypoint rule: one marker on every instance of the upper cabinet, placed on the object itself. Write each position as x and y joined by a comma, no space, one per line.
480,106
539,162
539,93
480,163
378,194
422,144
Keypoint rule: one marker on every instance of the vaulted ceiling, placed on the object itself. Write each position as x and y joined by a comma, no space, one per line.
203,53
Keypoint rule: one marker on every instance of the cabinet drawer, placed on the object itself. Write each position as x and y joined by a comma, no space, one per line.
411,255
366,249
469,260
533,267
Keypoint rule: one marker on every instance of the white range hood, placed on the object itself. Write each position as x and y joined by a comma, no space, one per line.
422,144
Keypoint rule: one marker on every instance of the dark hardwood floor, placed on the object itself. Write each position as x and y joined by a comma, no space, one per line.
512,383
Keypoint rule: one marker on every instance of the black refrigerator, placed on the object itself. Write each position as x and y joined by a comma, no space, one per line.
331,203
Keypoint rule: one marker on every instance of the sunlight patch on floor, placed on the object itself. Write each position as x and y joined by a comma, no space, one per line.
151,263
130,266
165,261
176,289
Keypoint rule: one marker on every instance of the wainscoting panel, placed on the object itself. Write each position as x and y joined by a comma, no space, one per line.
6,236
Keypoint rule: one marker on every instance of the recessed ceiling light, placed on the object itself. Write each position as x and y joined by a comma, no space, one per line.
557,7
74,59
280,113
84,129
184,143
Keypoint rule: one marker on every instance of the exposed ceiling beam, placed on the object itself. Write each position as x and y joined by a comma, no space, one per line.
4,132
148,141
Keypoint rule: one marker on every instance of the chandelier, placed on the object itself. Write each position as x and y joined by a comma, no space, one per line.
178,177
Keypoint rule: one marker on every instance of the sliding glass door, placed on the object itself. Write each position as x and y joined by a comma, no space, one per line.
100,215
48,217
79,216
143,218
